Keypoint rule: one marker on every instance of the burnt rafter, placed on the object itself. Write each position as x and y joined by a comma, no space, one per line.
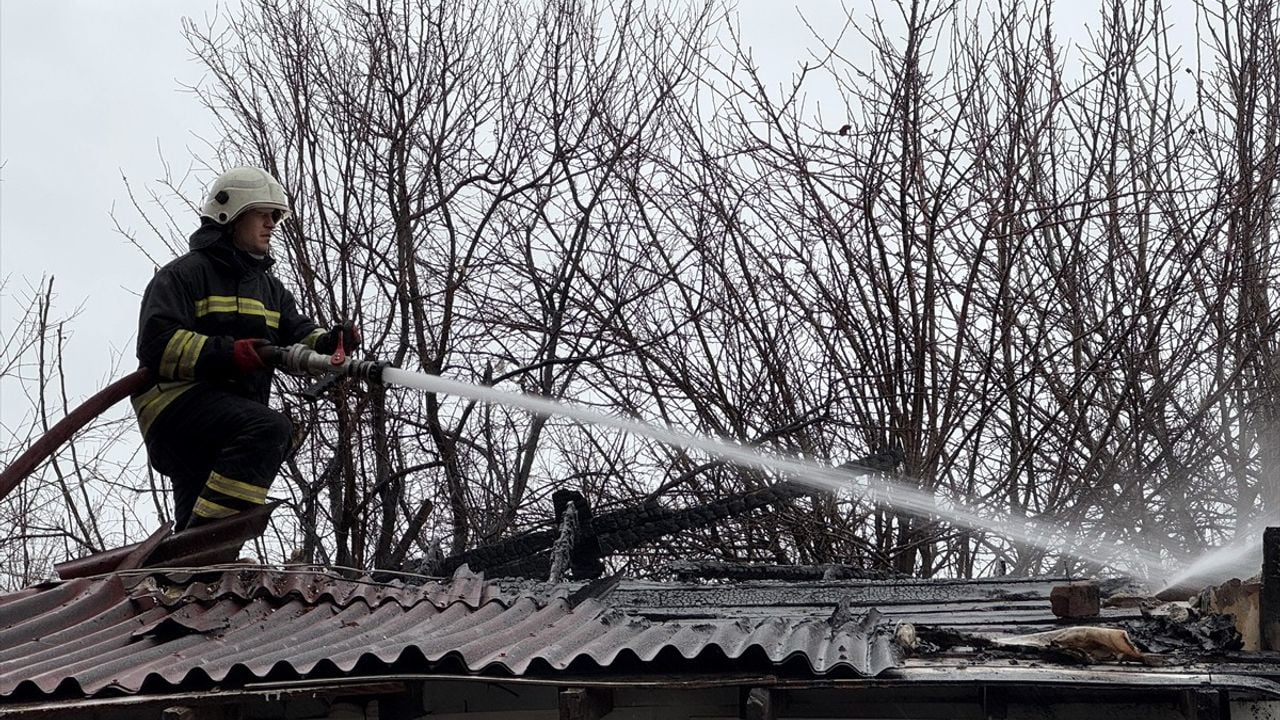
529,554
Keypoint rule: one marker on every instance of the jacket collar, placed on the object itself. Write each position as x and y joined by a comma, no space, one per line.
215,241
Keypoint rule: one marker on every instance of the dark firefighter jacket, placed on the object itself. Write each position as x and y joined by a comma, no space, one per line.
196,307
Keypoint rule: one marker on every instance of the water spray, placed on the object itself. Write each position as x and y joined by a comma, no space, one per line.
301,360
873,488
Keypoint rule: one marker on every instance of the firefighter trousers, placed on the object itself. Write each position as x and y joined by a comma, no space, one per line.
220,451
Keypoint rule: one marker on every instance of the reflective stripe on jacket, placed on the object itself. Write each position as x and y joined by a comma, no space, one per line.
197,306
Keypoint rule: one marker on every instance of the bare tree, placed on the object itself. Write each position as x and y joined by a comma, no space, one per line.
89,496
455,172
1040,269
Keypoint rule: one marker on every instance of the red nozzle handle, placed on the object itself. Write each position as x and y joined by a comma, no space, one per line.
339,355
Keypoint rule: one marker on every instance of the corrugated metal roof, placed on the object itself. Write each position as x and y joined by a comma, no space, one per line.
217,542
87,636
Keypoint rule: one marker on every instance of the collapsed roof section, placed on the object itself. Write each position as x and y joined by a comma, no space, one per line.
580,540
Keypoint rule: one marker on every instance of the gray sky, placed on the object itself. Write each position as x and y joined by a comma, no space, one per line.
91,90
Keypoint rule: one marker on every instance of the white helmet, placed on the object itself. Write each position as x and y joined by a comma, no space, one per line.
241,189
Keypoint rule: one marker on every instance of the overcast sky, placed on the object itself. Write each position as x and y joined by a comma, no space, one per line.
91,91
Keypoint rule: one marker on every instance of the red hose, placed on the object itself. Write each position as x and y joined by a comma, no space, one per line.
41,449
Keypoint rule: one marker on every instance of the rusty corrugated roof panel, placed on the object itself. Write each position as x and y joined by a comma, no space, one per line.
217,542
317,587
87,636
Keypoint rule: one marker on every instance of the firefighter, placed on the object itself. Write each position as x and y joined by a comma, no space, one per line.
204,316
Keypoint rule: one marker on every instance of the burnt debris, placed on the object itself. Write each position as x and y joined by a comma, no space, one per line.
580,541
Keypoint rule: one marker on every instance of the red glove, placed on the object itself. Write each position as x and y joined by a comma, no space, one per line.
245,354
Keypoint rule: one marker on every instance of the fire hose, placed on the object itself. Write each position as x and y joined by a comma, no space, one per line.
294,359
